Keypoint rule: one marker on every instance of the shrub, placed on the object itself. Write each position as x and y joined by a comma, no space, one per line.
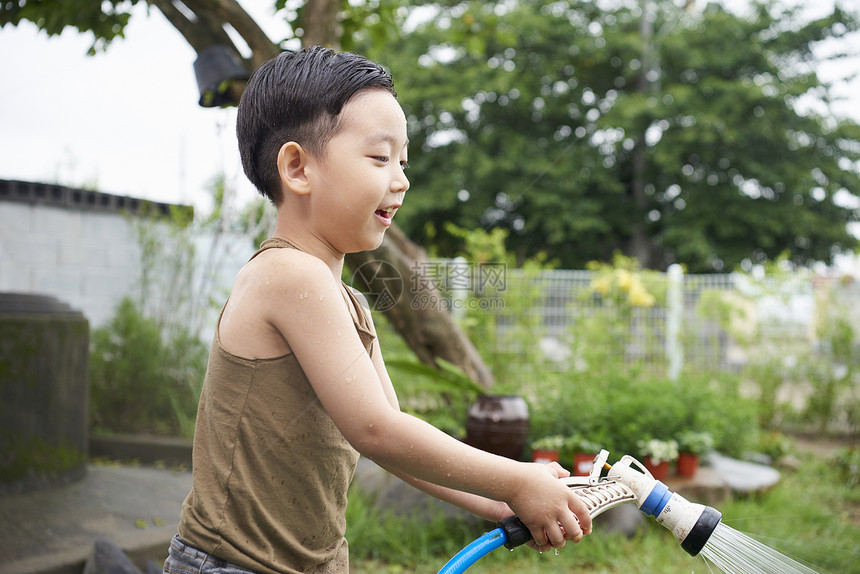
140,383
617,410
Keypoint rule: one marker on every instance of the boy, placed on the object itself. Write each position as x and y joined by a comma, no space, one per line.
296,385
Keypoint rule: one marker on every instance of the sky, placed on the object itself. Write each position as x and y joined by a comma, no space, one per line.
127,121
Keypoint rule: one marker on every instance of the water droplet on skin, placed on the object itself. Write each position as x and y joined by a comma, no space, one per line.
348,380
322,297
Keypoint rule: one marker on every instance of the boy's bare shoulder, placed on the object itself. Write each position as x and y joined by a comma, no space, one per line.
276,269
267,291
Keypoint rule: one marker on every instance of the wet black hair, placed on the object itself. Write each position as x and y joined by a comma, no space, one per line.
298,96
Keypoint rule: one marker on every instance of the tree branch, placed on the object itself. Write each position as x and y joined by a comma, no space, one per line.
208,28
200,33
232,13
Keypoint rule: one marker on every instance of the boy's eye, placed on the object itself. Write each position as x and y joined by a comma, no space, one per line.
385,159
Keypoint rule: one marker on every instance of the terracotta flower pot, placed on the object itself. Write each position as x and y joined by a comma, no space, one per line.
659,471
582,463
687,464
544,456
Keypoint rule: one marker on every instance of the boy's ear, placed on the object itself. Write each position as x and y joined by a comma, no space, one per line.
293,168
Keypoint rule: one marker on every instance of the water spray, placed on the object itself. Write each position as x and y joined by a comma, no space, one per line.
627,481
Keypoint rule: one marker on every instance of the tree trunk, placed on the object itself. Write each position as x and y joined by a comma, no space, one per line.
393,277
640,245
416,315
320,25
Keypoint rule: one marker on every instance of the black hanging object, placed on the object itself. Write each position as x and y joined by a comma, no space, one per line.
216,68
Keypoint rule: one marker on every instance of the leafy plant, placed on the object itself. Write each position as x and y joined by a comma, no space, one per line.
658,450
835,376
498,311
613,317
624,283
140,382
447,378
847,461
774,445
580,443
553,442
695,442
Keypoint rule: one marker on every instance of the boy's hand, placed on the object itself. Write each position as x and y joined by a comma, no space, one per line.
550,510
558,470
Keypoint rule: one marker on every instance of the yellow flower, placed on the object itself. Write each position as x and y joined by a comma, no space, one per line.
625,279
602,284
638,296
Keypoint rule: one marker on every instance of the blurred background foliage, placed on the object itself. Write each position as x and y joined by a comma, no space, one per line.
672,133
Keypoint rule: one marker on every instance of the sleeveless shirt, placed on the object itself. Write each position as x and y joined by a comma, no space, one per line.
270,468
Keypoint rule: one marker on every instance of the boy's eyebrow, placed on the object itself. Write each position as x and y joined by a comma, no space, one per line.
382,137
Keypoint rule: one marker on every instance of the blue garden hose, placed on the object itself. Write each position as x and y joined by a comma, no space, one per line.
510,533
692,524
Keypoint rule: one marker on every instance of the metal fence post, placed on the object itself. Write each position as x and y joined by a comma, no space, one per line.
674,317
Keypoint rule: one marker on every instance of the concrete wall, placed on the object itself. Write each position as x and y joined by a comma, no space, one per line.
79,246
88,260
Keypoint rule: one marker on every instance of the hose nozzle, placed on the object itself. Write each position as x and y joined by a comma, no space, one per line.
691,523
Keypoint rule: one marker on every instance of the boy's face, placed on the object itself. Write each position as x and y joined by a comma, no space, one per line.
359,184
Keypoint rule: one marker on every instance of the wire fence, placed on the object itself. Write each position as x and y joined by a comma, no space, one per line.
563,302
547,320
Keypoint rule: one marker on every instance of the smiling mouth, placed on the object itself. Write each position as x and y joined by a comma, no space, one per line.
386,214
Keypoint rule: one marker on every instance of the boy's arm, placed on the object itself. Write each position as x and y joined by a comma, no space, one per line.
488,509
492,510
306,306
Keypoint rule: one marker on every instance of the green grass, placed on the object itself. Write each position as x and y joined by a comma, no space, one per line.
812,515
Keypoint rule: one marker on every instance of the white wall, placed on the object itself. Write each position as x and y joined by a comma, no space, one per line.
89,257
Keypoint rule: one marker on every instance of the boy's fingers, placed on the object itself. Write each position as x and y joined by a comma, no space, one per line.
581,511
540,542
558,470
555,536
570,529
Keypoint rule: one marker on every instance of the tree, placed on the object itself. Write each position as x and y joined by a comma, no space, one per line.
428,329
671,134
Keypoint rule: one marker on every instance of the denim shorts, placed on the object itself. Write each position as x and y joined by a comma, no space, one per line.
185,559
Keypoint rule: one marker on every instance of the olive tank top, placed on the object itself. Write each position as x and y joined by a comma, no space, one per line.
270,468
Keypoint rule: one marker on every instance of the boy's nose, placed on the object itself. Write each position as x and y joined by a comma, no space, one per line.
400,184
